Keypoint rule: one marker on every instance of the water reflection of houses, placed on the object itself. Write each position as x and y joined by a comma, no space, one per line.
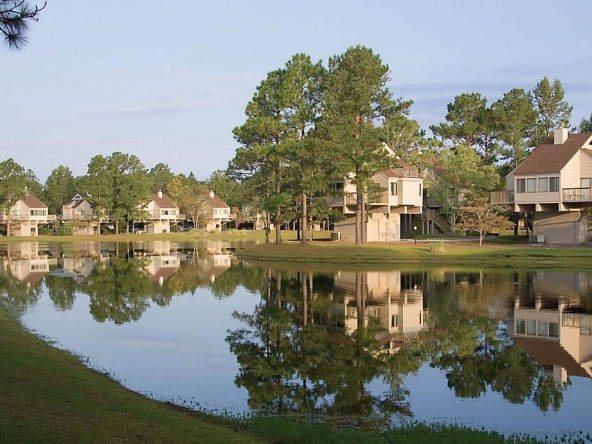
77,268
218,258
552,323
385,295
25,262
162,259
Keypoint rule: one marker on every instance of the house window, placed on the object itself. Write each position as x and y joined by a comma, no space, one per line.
531,328
531,184
339,186
543,185
521,186
553,330
37,212
553,184
394,320
520,326
585,182
393,188
543,328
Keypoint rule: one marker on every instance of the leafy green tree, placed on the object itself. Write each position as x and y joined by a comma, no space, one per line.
13,185
481,216
405,137
470,122
33,184
191,197
60,186
160,176
306,154
225,187
461,172
356,102
585,125
130,186
516,116
97,185
15,16
463,120
262,136
550,107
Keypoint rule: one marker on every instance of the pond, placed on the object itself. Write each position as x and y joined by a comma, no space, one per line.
506,350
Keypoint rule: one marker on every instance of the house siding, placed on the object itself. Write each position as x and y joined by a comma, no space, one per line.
561,228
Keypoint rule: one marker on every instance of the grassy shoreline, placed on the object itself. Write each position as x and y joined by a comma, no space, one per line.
424,253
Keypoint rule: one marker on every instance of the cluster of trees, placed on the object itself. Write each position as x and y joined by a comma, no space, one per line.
308,124
116,185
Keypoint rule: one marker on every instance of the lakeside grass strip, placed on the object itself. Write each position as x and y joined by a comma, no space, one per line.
421,254
47,395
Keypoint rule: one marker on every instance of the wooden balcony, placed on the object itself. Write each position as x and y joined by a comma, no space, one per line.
502,197
577,195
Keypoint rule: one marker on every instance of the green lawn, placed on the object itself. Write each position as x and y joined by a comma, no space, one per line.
495,254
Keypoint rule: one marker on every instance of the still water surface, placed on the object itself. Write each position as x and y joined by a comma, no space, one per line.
505,350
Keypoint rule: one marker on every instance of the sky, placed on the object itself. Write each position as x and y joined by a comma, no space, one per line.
168,81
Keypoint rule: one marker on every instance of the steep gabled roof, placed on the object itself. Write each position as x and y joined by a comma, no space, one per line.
551,158
32,202
216,202
163,202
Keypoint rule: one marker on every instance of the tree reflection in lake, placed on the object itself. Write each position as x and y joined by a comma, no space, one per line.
374,325
296,358
122,280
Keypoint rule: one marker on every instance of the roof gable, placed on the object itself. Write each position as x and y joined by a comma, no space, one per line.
551,158
32,201
163,201
216,202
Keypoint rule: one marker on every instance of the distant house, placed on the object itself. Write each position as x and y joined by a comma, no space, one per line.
26,216
390,216
553,186
79,213
216,213
162,213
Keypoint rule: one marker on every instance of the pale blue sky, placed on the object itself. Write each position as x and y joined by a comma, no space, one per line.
168,81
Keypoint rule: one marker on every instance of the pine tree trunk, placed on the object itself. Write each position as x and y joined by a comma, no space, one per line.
304,219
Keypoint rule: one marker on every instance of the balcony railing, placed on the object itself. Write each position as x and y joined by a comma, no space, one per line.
502,197
577,194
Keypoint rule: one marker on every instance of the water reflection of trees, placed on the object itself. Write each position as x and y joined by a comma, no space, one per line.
121,280
294,361
296,358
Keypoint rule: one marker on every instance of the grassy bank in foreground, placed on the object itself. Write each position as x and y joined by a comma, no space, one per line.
48,395
424,253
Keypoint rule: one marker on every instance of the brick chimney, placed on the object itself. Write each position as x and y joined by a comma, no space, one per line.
560,134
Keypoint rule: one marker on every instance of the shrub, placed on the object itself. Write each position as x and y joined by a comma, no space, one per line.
437,247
